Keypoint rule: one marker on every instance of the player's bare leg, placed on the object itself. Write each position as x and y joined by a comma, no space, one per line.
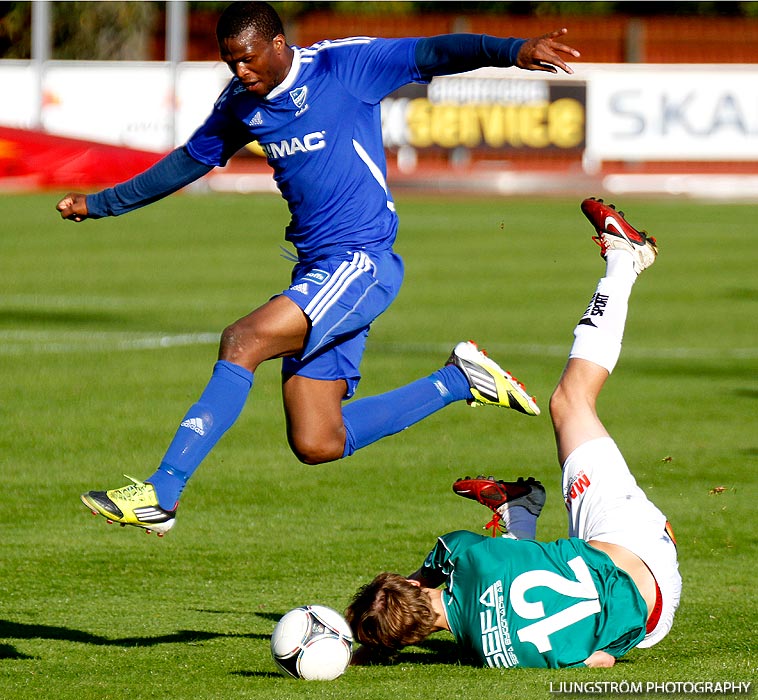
594,353
573,406
599,332
315,427
276,329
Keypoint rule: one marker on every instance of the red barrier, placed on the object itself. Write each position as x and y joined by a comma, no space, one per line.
34,159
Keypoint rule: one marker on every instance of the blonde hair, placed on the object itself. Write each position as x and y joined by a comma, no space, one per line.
391,612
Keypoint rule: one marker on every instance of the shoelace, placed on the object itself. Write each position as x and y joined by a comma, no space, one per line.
495,525
507,374
519,383
603,245
133,492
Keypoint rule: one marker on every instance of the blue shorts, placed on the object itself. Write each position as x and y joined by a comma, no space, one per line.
341,295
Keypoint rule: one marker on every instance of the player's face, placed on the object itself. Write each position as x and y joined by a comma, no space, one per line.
259,64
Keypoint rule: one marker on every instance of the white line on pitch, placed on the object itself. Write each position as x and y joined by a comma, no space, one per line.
42,342
562,350
24,342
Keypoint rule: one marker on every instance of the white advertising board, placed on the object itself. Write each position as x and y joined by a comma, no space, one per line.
669,113
197,87
634,112
119,103
18,94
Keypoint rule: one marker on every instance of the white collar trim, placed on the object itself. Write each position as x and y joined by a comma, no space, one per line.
288,81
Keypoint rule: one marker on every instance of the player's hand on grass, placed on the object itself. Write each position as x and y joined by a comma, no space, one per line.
600,659
543,53
73,206
363,656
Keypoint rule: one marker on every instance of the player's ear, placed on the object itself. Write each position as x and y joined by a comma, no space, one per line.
413,582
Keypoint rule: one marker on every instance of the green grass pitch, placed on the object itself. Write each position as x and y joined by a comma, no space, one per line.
108,331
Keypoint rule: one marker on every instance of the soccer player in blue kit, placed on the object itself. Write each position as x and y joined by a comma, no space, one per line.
511,601
316,113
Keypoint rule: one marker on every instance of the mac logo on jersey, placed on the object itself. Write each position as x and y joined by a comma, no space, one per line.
310,142
299,96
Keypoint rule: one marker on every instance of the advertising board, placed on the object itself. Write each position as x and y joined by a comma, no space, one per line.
665,113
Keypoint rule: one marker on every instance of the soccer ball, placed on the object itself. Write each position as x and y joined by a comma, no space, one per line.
312,642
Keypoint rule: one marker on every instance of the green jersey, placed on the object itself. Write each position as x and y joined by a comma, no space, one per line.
536,604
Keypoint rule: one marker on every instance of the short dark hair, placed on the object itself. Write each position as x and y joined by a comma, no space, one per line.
242,16
391,612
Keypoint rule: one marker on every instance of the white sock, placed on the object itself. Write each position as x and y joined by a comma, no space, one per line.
619,263
598,335
520,523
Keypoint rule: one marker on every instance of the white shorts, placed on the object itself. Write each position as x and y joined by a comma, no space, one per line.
604,503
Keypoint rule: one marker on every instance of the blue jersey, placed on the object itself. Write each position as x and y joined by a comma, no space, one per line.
321,132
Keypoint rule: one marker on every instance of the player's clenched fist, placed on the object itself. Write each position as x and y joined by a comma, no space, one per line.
73,206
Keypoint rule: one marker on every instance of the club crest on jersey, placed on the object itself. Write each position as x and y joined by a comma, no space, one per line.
299,97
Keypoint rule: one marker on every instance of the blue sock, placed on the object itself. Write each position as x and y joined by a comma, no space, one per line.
202,427
370,419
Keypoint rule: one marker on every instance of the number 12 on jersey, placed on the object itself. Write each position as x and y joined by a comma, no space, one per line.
582,588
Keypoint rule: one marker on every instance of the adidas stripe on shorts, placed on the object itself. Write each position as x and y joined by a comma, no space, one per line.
341,295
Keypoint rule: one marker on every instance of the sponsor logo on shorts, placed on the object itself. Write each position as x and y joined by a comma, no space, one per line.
577,485
317,276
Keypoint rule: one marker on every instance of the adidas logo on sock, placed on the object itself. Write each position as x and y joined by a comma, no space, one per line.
195,424
439,386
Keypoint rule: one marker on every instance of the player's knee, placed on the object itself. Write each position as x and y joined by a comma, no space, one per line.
571,405
240,344
235,336
562,404
316,450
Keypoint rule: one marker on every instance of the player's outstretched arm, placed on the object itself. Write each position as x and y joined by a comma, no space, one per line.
168,175
447,54
544,53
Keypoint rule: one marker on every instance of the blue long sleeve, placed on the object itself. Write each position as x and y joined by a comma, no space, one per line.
168,175
456,53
